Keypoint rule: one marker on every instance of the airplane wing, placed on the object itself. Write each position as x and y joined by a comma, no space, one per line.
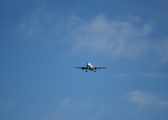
101,67
83,68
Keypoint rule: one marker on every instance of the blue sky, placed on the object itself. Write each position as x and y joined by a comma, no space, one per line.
42,40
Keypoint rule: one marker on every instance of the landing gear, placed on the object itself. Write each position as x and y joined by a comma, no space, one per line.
94,71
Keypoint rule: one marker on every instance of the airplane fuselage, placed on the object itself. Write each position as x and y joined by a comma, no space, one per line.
90,66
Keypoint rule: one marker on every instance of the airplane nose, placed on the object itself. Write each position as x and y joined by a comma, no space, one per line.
88,64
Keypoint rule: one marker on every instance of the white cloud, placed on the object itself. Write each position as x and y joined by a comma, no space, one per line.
66,109
155,75
41,24
145,99
116,38
122,107
141,98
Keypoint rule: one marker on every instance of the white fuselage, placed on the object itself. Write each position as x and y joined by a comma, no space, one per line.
90,66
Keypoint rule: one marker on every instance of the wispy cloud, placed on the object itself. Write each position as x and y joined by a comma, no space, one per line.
155,75
118,38
70,109
115,38
41,24
145,99
129,105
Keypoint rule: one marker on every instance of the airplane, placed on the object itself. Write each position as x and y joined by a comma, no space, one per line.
90,67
